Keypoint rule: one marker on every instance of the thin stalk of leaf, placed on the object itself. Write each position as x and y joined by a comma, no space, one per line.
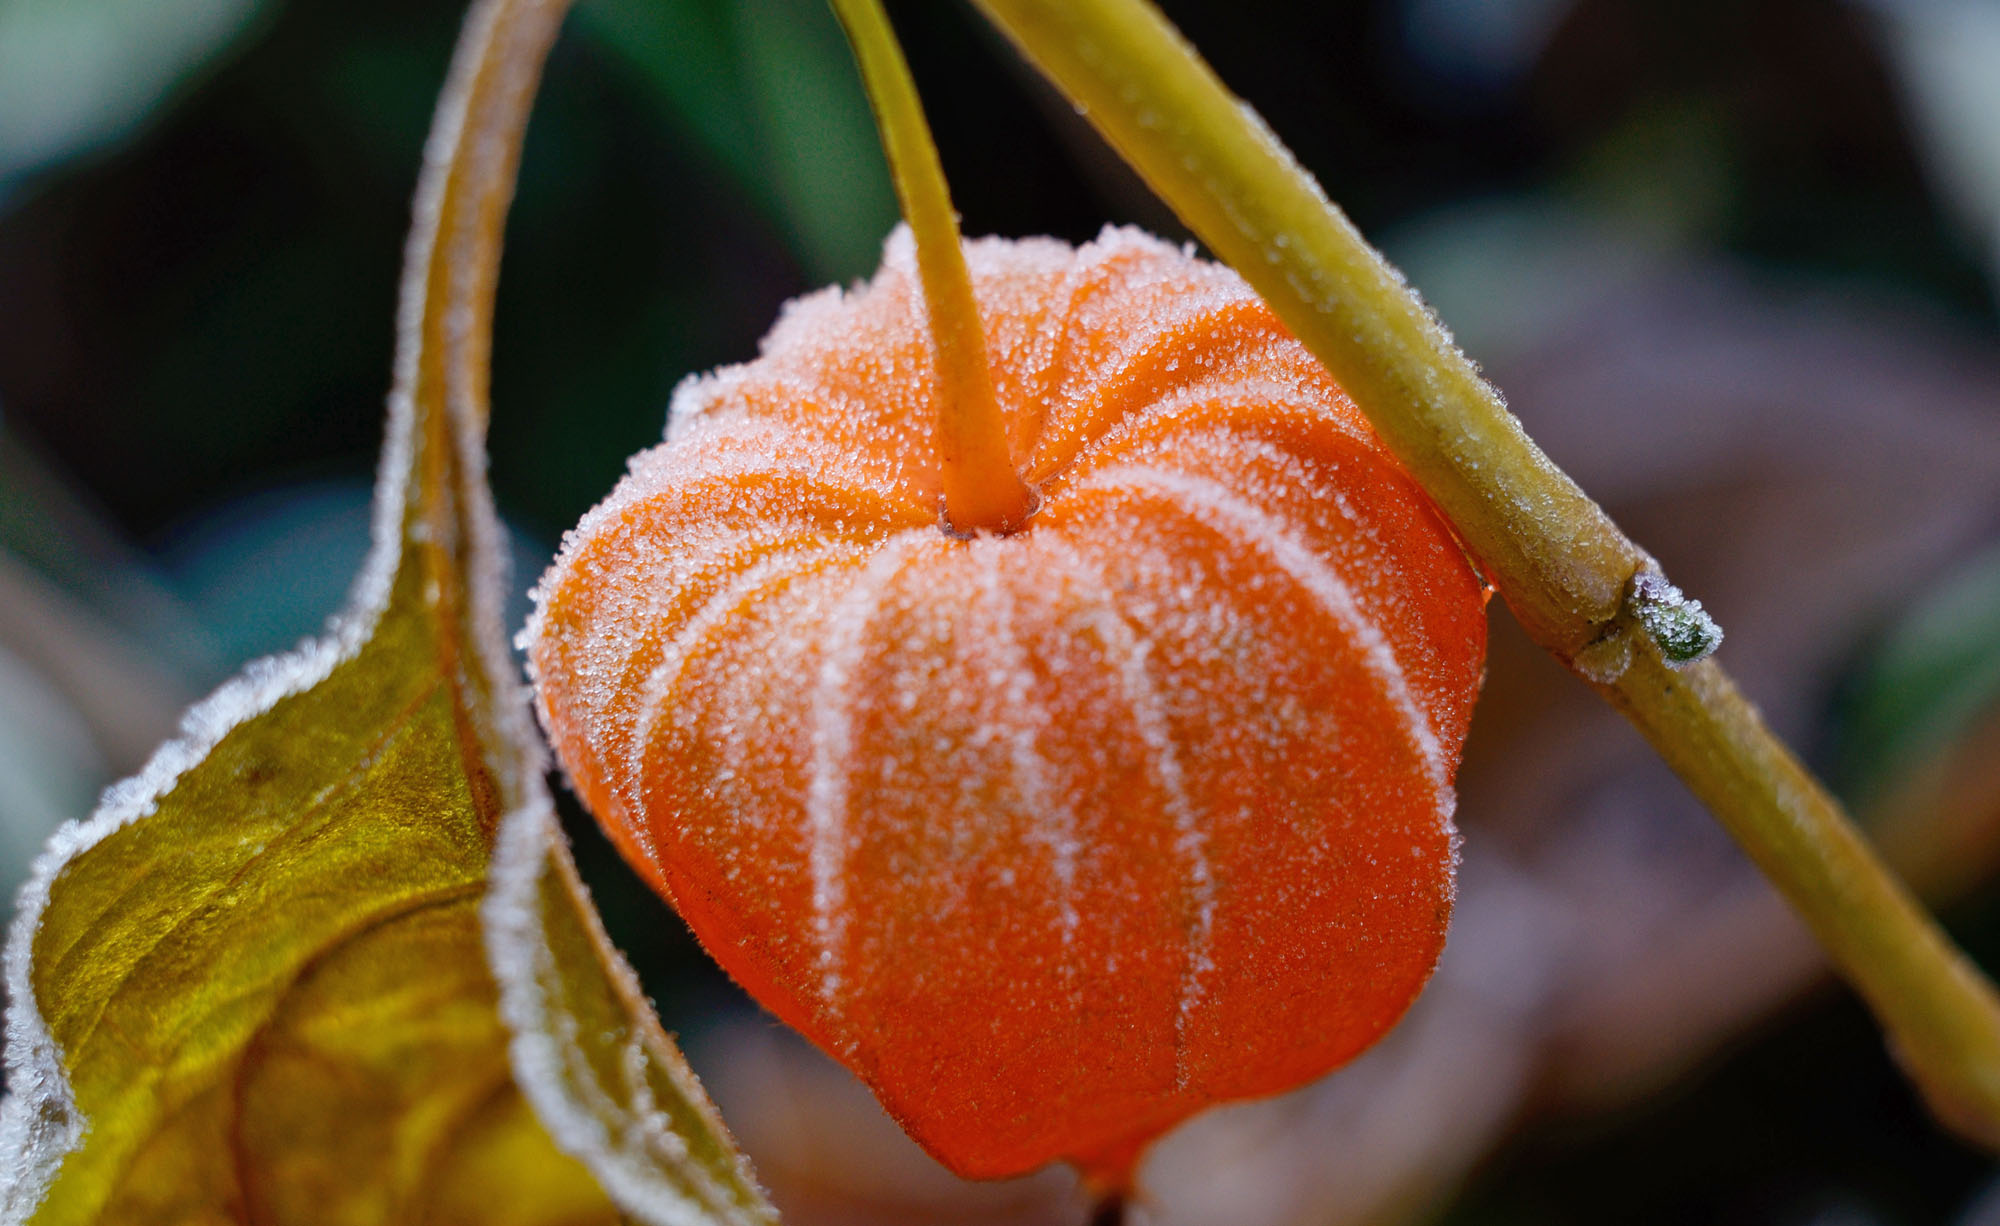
617,1094
982,489
1585,592
445,317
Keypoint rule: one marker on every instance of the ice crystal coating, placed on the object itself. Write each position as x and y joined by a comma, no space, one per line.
1678,626
1056,837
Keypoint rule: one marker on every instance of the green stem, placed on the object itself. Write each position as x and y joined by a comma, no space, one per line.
982,488
1583,590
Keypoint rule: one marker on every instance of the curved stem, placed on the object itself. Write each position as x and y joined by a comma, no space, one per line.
1585,592
982,489
439,399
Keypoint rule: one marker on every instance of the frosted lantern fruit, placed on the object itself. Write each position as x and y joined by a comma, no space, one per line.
1055,837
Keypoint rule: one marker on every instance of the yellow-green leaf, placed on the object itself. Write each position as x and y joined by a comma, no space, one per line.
255,986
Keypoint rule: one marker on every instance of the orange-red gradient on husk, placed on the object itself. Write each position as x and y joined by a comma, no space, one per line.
1058,837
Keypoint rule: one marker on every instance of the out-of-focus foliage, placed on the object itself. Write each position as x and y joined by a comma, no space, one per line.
1936,671
78,73
49,764
1947,50
766,88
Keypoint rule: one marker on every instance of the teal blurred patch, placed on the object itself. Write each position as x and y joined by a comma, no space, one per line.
79,74
266,571
1932,673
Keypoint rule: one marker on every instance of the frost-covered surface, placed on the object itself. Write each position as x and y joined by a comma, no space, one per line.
39,1123
648,1134
1678,625
977,813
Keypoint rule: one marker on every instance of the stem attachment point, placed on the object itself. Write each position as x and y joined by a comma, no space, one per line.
982,490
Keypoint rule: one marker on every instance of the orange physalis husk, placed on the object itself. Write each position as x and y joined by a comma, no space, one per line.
1057,837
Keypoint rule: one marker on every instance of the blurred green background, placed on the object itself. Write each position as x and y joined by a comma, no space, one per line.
202,206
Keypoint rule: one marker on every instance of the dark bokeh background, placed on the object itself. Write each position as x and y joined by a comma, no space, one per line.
198,260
